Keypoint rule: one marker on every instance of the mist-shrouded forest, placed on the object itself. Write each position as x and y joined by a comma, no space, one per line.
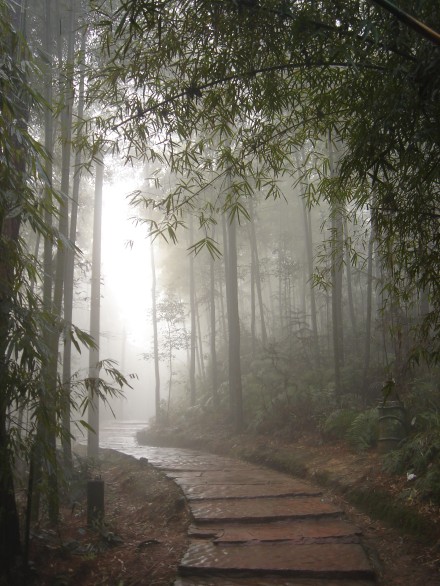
219,213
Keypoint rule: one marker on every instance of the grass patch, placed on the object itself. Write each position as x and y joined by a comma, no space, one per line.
382,506
281,461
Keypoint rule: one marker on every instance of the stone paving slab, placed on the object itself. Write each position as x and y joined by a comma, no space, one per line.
228,491
186,461
247,510
310,531
268,580
347,561
238,476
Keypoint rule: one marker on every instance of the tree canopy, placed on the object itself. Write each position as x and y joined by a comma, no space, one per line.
239,87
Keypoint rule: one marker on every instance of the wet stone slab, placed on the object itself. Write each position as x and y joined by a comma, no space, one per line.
176,460
228,491
346,561
230,477
311,531
248,510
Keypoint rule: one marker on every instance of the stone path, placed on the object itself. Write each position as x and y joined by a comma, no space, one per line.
252,525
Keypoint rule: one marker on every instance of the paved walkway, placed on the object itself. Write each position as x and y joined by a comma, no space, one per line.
252,525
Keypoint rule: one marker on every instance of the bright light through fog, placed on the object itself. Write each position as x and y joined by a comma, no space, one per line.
125,264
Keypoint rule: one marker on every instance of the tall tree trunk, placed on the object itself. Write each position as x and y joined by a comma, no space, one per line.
235,388
69,252
192,297
60,268
368,318
348,273
226,263
170,369
214,369
155,337
256,265
95,309
309,256
253,308
199,344
37,453
336,272
10,543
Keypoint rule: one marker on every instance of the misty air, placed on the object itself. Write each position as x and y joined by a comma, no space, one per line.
219,293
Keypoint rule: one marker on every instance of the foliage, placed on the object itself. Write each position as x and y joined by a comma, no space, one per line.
364,430
32,404
279,397
381,505
337,423
244,95
419,455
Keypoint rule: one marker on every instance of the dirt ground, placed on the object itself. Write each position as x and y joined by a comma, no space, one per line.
142,539
146,519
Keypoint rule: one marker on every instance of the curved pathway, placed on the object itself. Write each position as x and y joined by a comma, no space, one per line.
252,525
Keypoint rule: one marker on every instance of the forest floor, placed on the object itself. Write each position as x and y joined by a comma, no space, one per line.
141,541
145,532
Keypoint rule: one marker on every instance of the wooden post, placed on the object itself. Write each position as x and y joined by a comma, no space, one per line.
95,502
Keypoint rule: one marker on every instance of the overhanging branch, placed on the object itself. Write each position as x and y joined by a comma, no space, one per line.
410,21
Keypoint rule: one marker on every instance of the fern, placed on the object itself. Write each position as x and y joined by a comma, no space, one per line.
364,431
337,423
420,455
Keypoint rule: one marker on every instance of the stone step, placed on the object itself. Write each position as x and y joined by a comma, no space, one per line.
181,461
300,532
231,491
261,509
333,561
225,477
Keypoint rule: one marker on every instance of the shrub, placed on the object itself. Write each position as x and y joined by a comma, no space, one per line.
337,423
364,431
419,455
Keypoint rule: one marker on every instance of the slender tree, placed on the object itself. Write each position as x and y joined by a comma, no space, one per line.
154,318
95,304
193,334
309,256
256,272
213,331
235,384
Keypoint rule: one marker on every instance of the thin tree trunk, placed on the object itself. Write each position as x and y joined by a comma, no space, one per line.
47,371
313,312
214,369
69,253
336,272
192,364
257,275
253,308
95,309
155,337
170,368
199,345
226,263
350,288
235,388
367,350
